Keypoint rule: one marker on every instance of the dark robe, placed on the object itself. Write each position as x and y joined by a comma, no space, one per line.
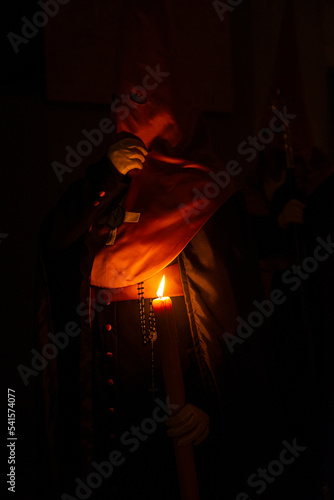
220,281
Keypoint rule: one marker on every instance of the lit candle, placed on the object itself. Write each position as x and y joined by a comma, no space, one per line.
173,378
162,304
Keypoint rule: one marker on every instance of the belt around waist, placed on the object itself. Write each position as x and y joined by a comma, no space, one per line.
173,286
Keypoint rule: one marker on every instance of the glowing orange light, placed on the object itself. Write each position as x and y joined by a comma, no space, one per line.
160,292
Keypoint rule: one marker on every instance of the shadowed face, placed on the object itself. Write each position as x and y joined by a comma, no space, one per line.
151,111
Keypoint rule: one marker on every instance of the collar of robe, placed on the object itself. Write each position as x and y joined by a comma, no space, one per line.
174,197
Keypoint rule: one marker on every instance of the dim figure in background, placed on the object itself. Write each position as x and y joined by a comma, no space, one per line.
286,230
140,213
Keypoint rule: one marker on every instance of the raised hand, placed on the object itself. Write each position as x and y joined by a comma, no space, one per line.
127,154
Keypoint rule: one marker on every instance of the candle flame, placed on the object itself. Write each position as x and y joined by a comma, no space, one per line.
160,292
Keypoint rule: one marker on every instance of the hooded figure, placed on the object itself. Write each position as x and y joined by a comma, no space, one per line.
158,203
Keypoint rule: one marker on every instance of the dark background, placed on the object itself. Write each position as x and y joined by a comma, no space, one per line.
45,108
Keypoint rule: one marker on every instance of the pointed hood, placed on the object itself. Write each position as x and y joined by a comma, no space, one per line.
153,100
